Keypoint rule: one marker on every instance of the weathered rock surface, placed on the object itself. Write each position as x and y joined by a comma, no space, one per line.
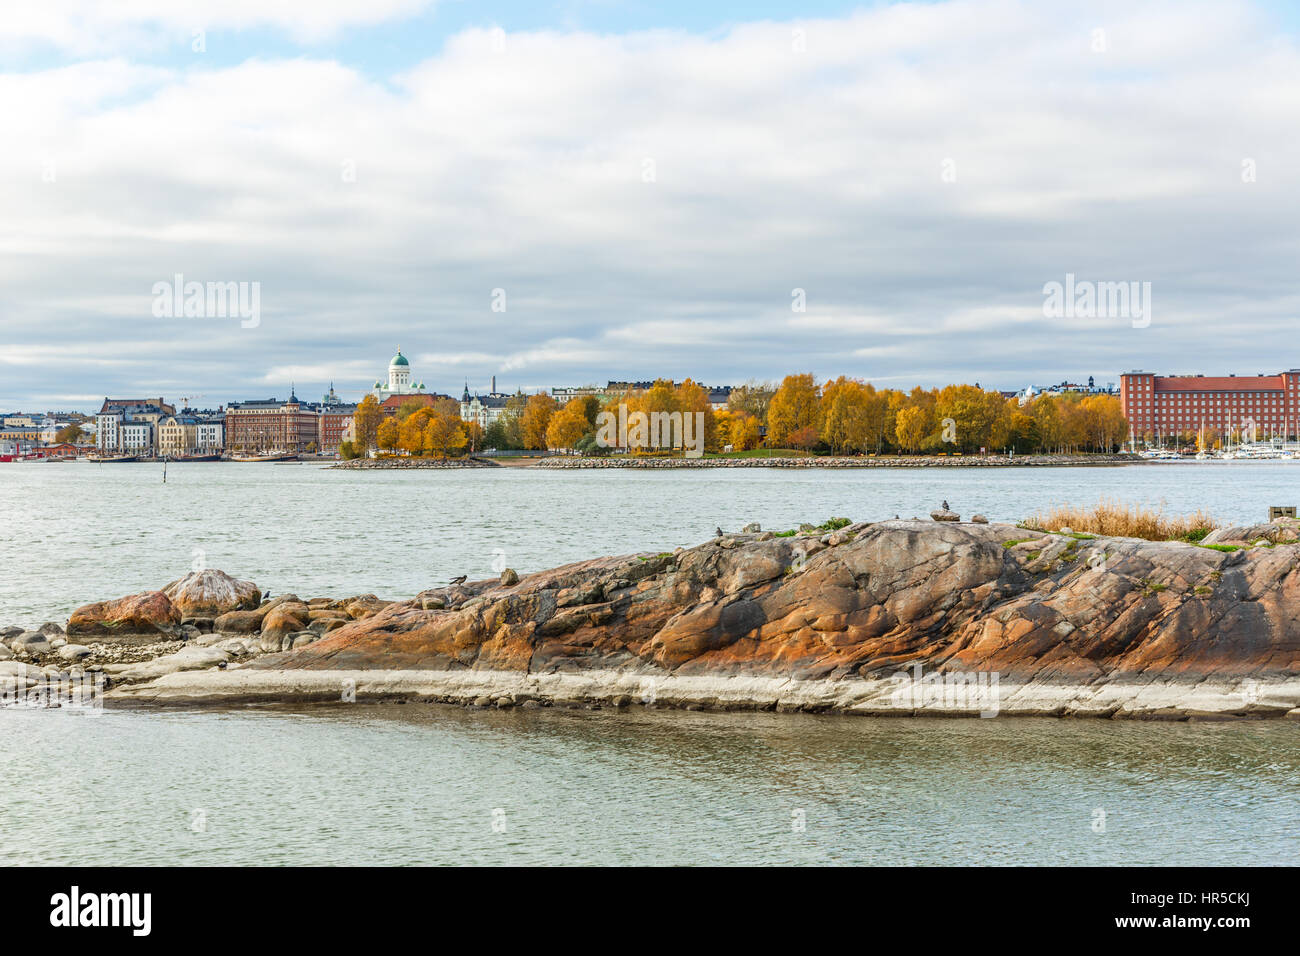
1067,624
149,614
1277,531
186,659
31,642
210,593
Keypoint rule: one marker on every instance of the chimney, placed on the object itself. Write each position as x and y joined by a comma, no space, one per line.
494,384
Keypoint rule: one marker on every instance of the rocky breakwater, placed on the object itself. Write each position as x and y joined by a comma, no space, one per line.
856,461
895,617
369,464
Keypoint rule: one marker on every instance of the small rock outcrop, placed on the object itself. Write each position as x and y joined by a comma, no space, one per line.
138,615
211,593
1277,531
943,514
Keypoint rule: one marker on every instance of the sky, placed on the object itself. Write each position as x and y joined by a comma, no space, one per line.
565,194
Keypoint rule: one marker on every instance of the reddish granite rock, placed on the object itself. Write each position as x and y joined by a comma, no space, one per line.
149,614
286,618
210,593
241,622
868,600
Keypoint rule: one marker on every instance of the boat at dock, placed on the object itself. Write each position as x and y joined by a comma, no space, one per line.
288,456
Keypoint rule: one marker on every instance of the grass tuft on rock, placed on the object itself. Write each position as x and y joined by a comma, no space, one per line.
1115,519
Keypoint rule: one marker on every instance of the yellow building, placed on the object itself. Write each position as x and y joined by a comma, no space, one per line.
177,435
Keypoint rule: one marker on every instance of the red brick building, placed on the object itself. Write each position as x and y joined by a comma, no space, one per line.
271,426
1166,406
391,405
332,427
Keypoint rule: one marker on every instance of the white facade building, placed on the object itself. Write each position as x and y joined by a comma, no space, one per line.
208,435
484,409
108,432
136,437
399,380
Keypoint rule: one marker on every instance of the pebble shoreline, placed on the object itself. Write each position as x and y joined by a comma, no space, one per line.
368,464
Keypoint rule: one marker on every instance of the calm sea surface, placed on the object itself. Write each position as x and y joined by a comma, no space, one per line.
352,784
422,783
75,532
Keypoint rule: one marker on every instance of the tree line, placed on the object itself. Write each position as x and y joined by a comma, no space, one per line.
843,416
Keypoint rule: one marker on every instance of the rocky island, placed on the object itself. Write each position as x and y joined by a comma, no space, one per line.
892,617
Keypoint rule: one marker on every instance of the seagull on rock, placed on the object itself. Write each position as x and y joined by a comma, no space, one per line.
717,533
458,580
945,506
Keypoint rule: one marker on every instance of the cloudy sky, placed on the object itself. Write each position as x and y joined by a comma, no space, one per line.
647,183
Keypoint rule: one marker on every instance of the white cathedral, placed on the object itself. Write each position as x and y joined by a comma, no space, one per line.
399,380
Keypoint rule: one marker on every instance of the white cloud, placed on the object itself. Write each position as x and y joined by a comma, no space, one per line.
92,27
385,211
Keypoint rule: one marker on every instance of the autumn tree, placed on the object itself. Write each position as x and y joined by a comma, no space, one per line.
752,398
692,399
69,433
409,408
845,425
795,406
911,427
410,431
444,432
388,434
365,423
536,418
567,425
475,435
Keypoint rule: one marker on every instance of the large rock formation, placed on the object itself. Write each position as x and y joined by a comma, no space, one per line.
138,615
210,593
858,602
1061,623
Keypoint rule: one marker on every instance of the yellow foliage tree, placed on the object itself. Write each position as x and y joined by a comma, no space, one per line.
410,433
912,427
388,434
444,432
795,407
567,425
536,419
845,404
365,423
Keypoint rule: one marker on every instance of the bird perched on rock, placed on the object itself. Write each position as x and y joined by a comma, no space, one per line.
945,506
717,533
457,580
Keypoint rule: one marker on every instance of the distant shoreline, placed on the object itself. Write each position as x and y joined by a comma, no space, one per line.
381,464
562,462
812,461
